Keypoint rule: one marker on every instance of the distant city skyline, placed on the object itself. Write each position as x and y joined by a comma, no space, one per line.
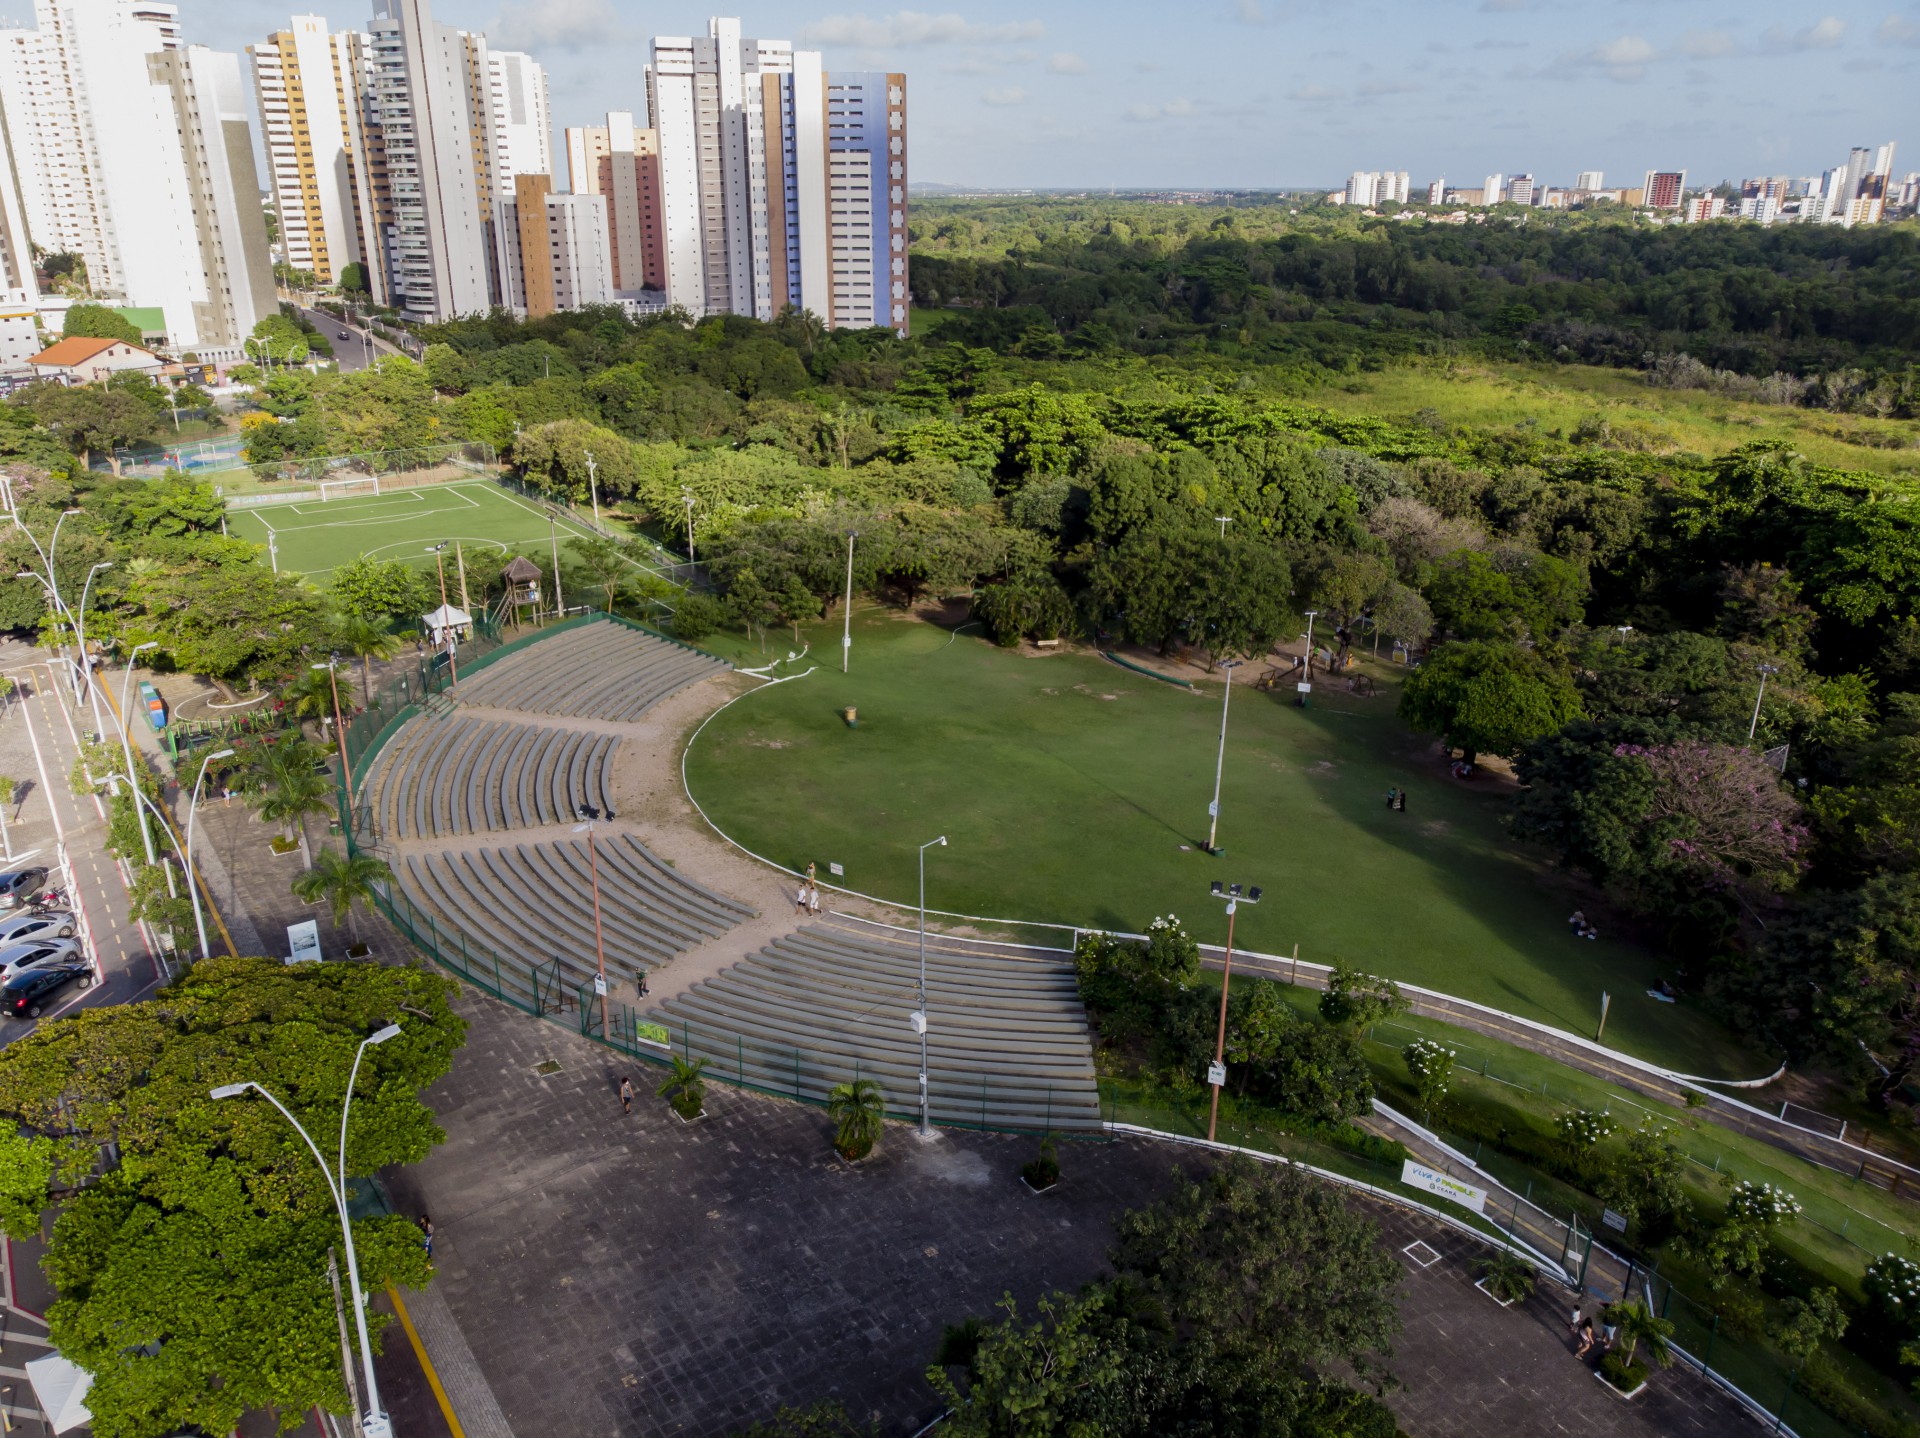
1276,93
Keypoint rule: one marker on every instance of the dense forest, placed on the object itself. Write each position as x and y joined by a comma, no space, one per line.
1259,284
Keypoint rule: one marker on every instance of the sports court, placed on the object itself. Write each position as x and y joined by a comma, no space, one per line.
315,536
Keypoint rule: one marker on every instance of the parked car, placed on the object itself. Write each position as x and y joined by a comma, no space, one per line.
19,885
38,953
28,995
344,334
40,924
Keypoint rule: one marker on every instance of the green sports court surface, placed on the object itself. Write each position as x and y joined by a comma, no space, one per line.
316,537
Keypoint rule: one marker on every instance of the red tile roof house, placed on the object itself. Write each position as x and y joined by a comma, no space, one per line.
81,361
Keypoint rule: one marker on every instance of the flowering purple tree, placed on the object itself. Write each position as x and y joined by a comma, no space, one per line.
1722,814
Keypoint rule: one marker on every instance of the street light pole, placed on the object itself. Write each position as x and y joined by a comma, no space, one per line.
846,633
1223,520
593,487
375,1424
1220,760
440,563
126,743
1217,1075
926,1125
193,882
339,726
1754,725
1310,617
687,495
588,813
80,639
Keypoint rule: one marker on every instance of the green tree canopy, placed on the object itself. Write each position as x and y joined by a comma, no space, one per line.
97,322
1484,695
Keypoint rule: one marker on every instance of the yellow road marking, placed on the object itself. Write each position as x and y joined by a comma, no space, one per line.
426,1363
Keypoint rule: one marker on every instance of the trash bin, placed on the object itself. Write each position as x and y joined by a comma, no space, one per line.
852,716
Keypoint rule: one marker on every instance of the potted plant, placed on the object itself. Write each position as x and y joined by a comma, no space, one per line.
1636,1324
857,1109
685,1088
1506,1278
1043,1172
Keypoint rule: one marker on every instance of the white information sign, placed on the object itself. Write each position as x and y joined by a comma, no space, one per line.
1418,1175
600,985
303,942
1217,1074
836,870
1304,688
1617,1222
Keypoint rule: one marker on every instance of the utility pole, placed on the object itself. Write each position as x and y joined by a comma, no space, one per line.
846,633
460,562
593,487
559,599
1217,1074
1220,760
1765,670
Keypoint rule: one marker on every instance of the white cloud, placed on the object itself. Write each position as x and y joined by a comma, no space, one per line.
1316,94
554,25
1065,62
913,27
1251,12
1624,58
1178,108
1895,31
1707,44
1011,95
1823,34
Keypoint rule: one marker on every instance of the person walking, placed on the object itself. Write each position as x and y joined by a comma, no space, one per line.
642,982
813,901
426,1234
1390,797
626,1095
800,898
1400,801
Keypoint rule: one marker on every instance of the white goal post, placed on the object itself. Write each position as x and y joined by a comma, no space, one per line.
340,488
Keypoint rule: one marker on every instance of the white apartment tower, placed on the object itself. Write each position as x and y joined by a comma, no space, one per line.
135,153
1590,180
311,90
1493,189
779,184
521,120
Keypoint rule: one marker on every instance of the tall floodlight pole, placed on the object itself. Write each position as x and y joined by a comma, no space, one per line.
1765,670
1223,520
193,884
339,724
1220,759
126,744
846,633
453,638
80,642
686,495
1217,1075
588,814
920,1018
593,487
1310,617
375,1424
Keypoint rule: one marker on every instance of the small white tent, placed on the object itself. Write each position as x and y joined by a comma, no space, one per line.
61,1388
447,620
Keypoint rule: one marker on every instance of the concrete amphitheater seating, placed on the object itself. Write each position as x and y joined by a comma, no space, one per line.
532,903
1007,1037
440,778
601,670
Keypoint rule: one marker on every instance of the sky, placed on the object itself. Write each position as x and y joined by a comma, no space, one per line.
1273,94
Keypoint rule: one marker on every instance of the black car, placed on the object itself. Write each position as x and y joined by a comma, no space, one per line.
19,885
26,995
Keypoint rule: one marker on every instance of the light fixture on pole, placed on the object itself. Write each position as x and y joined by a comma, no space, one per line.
588,814
1765,670
846,633
1223,520
1217,1073
193,885
593,487
1623,630
1310,617
375,1424
126,744
339,725
80,642
1220,760
919,1018
452,637
686,494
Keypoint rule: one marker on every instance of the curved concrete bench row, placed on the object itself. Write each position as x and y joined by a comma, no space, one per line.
1006,1038
601,670
459,775
530,904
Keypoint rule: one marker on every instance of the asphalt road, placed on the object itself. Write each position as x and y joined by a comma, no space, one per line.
354,353
40,737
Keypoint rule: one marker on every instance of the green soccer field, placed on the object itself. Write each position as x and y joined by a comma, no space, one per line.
317,537
1076,792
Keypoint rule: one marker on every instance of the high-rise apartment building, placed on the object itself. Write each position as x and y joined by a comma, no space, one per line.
1520,190
586,148
1702,208
136,153
1663,189
1856,193
1493,190
554,249
1437,191
311,90
779,184
627,178
1590,180
518,110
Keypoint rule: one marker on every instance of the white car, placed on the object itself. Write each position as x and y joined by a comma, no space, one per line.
54,924
40,953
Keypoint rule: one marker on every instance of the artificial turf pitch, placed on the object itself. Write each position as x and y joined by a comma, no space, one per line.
316,537
1075,792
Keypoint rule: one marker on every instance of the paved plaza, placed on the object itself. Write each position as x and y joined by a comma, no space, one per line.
632,1275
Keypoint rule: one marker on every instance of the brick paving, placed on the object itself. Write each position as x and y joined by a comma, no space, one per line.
632,1275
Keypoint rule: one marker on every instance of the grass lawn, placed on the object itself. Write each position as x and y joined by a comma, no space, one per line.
1561,397
1076,792
488,522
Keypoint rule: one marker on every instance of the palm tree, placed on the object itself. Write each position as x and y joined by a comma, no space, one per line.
309,695
366,641
1637,1325
342,881
685,1089
291,790
858,1108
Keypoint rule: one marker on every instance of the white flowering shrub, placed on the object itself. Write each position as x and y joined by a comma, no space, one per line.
1584,1127
1431,1065
1761,1203
1893,1291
